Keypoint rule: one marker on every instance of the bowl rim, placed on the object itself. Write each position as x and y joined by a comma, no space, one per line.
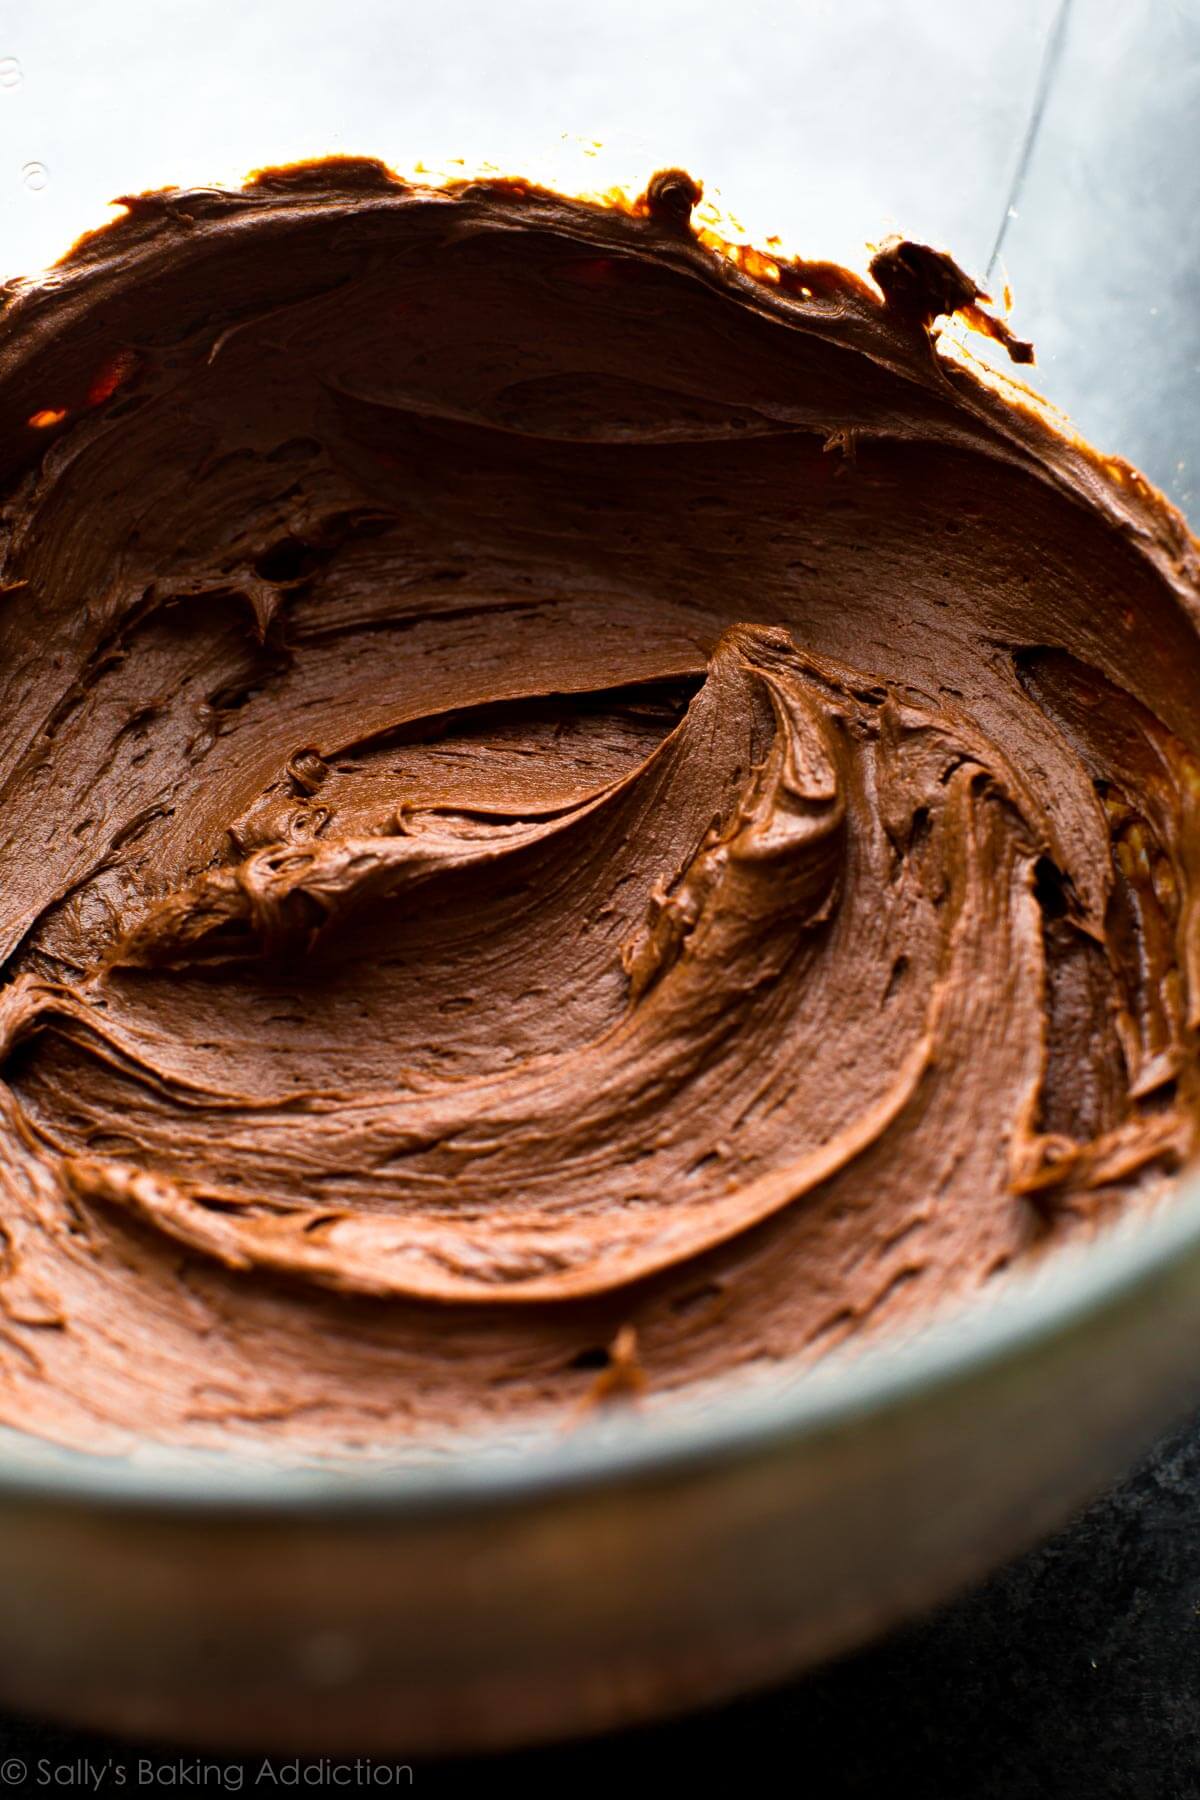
736,1425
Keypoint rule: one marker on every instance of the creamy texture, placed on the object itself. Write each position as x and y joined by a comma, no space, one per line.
557,791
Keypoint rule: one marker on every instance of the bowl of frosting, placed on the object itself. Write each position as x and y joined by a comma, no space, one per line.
600,960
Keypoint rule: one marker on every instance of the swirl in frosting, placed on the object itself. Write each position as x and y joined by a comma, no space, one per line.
553,786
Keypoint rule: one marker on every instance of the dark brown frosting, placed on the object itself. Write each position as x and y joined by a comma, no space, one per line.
558,789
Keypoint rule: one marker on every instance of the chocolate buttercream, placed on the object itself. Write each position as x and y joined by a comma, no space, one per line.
559,788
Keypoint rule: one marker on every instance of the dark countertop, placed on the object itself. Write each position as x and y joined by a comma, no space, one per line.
1074,1674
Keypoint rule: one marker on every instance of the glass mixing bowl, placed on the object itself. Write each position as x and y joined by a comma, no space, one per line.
637,1567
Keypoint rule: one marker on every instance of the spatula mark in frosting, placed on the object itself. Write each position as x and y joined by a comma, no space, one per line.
505,841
